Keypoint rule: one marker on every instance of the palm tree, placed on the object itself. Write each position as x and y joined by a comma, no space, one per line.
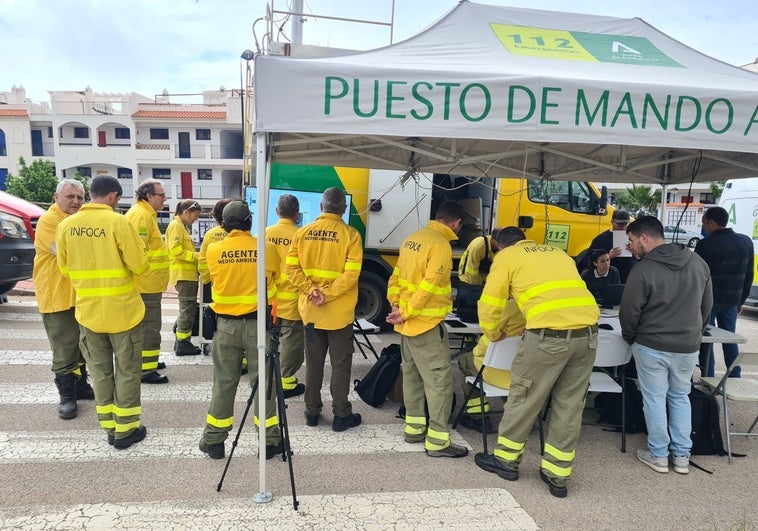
638,197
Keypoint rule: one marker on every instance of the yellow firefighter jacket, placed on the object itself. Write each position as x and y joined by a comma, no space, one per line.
546,285
100,252
144,219
468,267
181,251
216,234
232,265
420,283
280,235
326,254
512,324
54,292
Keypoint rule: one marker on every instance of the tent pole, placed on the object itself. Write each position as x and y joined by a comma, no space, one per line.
261,182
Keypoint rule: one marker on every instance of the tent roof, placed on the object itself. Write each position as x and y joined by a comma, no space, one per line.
498,91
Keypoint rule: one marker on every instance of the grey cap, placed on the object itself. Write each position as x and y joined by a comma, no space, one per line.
236,211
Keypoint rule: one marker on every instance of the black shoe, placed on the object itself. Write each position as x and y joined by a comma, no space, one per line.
489,463
214,451
161,365
298,390
84,390
111,438
473,423
451,450
274,450
311,420
154,378
244,370
186,348
344,423
66,384
555,490
134,437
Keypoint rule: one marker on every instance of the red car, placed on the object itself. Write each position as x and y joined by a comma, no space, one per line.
18,219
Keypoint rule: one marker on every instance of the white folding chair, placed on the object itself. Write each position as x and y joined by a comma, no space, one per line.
612,353
362,327
499,355
737,389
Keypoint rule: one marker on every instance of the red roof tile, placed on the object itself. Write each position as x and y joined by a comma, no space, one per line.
13,112
211,115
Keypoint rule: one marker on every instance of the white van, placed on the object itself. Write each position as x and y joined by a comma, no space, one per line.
740,199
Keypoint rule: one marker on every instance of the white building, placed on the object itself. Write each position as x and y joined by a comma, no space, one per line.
195,149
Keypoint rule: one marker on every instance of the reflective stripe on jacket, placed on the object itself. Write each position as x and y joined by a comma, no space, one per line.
326,254
100,252
280,235
232,265
54,292
546,285
181,251
216,234
420,283
144,220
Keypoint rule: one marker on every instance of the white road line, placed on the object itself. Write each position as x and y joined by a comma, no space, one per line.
485,509
91,445
46,393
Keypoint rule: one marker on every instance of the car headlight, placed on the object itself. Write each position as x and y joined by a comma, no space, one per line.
12,227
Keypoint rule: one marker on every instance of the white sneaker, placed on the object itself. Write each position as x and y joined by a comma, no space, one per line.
680,463
659,464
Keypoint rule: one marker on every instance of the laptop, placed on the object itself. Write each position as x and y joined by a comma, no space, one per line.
612,295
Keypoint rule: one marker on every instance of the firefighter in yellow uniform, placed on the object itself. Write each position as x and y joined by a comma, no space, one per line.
232,265
101,253
143,217
476,260
554,359
56,298
292,347
512,324
183,273
419,292
324,263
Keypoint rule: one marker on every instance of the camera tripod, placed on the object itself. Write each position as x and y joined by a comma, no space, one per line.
274,381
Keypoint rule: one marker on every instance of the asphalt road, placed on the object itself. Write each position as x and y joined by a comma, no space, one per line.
62,475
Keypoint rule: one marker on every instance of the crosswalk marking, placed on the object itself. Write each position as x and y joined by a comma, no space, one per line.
91,445
484,509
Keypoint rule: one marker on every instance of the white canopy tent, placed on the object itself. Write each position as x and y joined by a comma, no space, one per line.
503,92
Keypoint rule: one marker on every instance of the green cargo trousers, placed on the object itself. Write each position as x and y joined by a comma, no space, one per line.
427,376
186,291
63,334
235,340
115,364
556,367
339,343
151,331
291,351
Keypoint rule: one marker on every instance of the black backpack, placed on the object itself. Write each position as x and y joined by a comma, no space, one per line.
378,382
706,427
608,405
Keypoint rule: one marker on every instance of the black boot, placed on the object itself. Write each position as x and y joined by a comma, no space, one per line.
185,348
84,390
66,384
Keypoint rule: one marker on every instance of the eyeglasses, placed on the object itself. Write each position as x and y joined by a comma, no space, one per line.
195,206
160,195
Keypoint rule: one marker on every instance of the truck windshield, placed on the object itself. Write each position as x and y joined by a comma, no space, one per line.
573,196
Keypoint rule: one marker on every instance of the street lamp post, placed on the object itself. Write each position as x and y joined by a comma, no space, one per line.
247,55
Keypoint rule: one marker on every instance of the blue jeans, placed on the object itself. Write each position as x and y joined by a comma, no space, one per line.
725,317
665,380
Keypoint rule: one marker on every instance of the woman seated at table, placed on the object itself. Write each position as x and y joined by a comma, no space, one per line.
600,273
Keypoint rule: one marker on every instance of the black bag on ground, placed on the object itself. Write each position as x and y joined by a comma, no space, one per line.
379,381
209,322
706,426
608,405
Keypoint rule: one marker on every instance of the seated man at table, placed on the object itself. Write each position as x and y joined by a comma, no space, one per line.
512,324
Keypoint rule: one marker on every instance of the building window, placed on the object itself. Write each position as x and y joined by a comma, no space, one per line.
706,198
202,134
204,175
158,134
122,133
161,173
84,171
124,173
49,132
81,132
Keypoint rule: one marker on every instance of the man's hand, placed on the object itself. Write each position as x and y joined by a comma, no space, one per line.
613,253
394,316
316,297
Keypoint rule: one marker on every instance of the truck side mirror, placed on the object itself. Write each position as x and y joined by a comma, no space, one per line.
525,222
603,206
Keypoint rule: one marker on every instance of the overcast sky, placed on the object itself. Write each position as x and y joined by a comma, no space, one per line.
186,46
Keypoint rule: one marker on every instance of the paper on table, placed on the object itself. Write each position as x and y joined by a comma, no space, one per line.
621,240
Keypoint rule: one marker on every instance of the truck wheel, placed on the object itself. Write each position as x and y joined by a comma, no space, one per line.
5,288
372,299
